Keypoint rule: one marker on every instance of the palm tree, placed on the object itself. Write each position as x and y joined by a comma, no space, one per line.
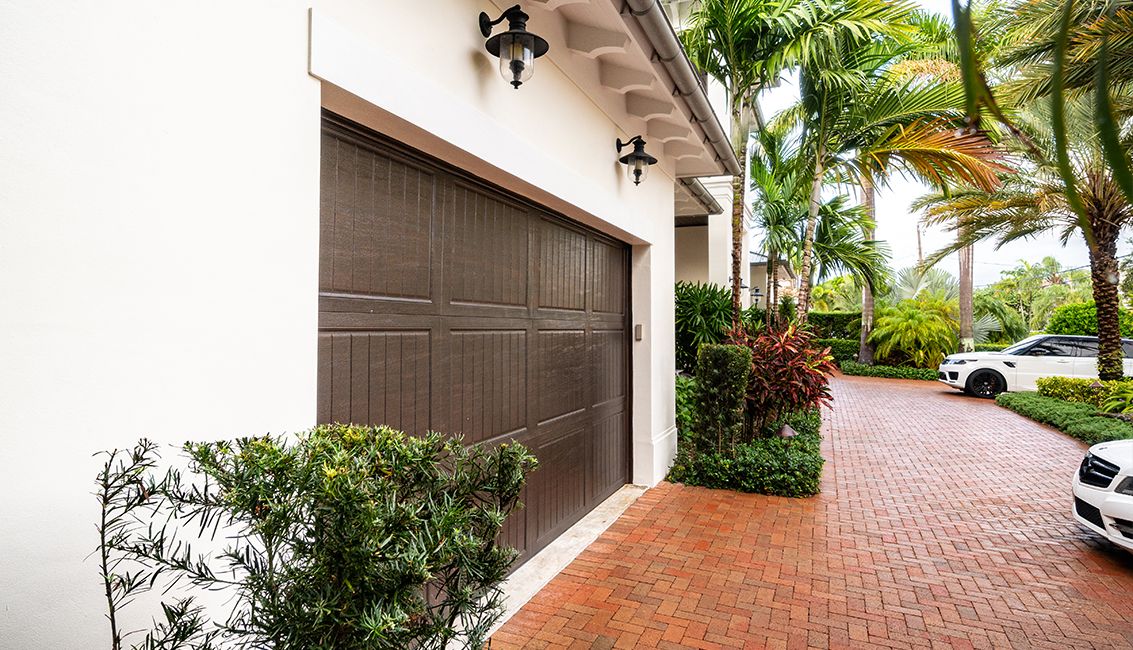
746,44
871,124
1038,199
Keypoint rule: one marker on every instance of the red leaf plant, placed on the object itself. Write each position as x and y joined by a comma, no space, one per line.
788,374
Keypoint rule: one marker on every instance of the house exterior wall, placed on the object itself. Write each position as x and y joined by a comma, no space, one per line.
692,254
160,189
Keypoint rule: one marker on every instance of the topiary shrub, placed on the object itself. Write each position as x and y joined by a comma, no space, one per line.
1072,418
835,324
890,372
840,349
1085,391
1082,319
703,315
721,385
345,537
992,347
789,373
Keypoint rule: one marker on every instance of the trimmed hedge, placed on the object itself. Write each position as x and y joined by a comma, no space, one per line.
840,349
1081,318
835,324
992,347
686,405
891,372
789,467
1084,391
1077,420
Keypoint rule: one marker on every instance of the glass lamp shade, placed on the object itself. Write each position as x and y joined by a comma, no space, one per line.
517,57
637,170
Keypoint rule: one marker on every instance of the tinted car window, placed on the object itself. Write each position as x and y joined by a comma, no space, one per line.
1051,348
1083,347
1128,346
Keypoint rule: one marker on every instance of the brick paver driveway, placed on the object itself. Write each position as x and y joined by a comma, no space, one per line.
943,522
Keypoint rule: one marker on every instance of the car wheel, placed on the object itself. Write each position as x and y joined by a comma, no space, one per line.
986,384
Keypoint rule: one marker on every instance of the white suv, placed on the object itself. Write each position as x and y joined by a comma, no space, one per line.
987,374
1103,492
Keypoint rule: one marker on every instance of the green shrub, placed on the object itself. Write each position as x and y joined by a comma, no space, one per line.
1120,399
992,347
790,373
703,315
754,319
918,332
1072,418
835,324
840,349
686,405
891,372
789,467
721,384
1082,319
1086,391
345,537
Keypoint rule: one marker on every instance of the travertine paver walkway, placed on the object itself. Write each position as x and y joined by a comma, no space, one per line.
943,522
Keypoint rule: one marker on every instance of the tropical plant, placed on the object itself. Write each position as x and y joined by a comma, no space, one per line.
789,373
1003,320
916,332
1078,178
344,537
702,316
836,294
915,282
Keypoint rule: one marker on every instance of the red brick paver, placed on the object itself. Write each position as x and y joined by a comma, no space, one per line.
943,522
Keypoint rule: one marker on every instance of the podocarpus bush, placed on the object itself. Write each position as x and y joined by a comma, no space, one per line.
1076,389
348,537
686,405
1075,419
721,383
789,373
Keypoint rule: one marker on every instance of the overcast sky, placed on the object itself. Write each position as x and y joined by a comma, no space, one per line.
897,225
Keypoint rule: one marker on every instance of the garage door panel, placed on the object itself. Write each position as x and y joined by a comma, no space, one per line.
608,356
561,372
562,268
381,218
607,276
489,383
450,305
497,231
376,378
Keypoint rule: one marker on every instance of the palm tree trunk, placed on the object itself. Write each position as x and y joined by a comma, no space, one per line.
967,335
1104,275
772,271
739,137
808,237
865,348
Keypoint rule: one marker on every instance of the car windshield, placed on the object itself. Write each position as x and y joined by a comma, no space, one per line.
1022,345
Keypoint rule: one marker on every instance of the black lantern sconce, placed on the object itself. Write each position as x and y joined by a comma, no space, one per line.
637,162
516,48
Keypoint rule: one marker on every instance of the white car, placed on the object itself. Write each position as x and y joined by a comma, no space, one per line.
987,374
1103,492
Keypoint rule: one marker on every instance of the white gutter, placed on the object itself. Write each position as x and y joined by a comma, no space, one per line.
668,50
700,193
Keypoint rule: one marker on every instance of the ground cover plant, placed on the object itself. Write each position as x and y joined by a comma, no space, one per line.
346,537
891,372
1075,419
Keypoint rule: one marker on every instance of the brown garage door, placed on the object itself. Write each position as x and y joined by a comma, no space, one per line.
446,304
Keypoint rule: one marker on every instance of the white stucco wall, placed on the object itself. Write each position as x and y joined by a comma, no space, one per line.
692,254
159,170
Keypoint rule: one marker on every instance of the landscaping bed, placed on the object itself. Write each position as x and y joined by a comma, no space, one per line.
1075,419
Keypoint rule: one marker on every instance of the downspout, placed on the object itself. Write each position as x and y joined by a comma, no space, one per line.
668,50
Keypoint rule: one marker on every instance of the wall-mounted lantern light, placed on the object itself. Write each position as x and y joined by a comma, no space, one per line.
516,48
637,162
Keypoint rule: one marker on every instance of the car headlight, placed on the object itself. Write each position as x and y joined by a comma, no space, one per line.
1126,486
